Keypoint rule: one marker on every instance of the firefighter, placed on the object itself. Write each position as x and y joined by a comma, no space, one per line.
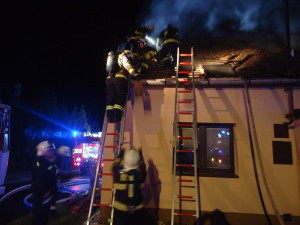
43,183
136,33
129,179
169,38
117,84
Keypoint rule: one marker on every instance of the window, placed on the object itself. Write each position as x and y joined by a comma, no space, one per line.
215,155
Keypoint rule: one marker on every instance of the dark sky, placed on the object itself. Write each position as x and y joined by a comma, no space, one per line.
62,44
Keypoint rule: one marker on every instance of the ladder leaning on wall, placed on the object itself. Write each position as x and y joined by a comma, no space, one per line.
114,143
185,86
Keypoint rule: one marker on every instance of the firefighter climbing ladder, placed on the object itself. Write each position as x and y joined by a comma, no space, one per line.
117,141
183,87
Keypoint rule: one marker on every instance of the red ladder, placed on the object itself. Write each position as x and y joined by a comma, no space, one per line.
185,86
117,136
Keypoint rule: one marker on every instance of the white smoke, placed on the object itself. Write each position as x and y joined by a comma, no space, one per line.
195,17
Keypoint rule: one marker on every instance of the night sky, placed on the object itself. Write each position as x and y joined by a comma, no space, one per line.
62,44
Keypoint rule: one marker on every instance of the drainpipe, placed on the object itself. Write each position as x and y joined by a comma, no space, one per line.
290,115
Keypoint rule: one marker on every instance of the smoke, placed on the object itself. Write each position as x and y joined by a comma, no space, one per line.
221,17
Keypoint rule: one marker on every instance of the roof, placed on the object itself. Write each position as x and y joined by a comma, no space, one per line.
247,57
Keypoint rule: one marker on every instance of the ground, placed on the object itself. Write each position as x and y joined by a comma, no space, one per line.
14,211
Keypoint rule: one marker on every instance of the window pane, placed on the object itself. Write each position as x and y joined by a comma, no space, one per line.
218,148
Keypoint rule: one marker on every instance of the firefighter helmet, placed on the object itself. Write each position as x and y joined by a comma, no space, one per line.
141,43
131,159
43,147
150,28
64,151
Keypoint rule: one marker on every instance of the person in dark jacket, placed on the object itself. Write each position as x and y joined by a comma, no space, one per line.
117,86
43,184
129,179
169,39
136,33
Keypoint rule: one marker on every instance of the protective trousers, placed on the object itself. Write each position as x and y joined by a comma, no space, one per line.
40,212
117,90
126,218
171,48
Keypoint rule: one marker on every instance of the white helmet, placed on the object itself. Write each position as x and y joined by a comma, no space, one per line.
64,151
131,159
43,147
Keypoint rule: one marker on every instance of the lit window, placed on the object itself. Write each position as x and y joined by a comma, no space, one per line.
215,154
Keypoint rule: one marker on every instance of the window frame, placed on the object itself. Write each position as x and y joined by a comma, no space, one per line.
201,151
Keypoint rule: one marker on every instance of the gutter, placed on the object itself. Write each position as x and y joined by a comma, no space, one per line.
226,82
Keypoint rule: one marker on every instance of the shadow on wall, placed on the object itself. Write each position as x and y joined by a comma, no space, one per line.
151,193
216,217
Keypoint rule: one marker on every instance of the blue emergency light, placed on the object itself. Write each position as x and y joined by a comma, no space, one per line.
75,133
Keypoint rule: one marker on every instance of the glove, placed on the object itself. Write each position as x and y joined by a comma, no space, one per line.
122,152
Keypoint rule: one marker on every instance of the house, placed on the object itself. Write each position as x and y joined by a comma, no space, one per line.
226,138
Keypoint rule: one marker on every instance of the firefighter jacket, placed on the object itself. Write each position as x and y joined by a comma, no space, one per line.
44,179
149,60
137,32
128,186
168,35
126,66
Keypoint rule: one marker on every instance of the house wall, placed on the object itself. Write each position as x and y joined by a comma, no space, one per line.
150,126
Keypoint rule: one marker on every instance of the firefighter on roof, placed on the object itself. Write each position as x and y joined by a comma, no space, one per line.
136,33
169,38
129,179
119,69
43,183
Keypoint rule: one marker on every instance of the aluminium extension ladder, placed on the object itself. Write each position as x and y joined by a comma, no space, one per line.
185,87
117,136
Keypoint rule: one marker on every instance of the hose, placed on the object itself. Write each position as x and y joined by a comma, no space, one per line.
64,186
250,119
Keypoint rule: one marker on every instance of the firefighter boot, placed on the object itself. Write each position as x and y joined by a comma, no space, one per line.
117,115
110,116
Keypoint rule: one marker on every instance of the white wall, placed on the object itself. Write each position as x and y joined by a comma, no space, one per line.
150,126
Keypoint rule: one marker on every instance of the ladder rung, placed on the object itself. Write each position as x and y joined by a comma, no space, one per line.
106,174
185,138
185,125
187,197
108,160
185,63
102,205
189,151
184,214
186,113
115,122
185,91
110,146
185,81
186,54
183,180
112,134
184,72
104,189
184,101
185,165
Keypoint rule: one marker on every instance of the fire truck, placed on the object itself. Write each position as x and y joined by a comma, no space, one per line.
86,146
4,142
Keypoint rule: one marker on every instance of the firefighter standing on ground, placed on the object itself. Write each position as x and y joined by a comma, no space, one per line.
117,83
43,183
169,38
129,180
